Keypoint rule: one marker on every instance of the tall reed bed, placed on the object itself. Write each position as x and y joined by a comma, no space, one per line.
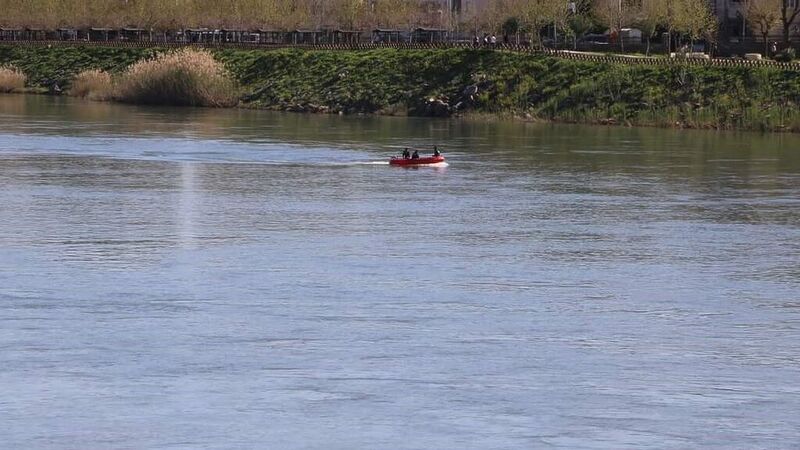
186,77
92,84
11,79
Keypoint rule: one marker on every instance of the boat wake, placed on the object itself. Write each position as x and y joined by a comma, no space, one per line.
352,163
379,163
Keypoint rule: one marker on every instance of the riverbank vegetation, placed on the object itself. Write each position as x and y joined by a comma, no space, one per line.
186,77
92,84
536,87
11,79
447,82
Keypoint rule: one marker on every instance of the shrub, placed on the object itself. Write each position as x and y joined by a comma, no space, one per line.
11,79
186,77
92,84
786,55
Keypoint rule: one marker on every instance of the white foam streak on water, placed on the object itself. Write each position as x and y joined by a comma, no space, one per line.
360,163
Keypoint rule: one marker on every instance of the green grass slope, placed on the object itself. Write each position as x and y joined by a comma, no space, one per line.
519,84
470,81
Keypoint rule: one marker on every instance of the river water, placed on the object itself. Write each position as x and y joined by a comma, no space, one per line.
191,278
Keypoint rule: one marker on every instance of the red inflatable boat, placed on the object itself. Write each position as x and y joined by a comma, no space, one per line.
395,161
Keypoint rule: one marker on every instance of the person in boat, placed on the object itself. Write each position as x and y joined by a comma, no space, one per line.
415,155
436,151
406,153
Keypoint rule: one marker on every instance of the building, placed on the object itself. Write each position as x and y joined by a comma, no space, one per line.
454,6
733,23
460,7
471,6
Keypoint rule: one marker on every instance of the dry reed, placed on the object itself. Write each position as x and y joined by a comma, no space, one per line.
11,79
92,84
186,77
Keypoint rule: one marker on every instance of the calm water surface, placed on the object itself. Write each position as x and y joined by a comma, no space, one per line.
187,279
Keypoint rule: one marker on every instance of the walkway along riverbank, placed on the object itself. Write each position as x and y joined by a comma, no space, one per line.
425,80
567,54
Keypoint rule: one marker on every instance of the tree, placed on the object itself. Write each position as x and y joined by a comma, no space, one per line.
578,25
559,13
499,15
511,27
395,13
349,13
764,15
580,20
692,18
616,15
537,14
790,9
650,15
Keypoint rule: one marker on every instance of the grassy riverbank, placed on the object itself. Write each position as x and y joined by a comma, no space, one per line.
459,81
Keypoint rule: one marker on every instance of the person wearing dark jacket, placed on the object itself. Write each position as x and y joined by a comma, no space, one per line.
415,155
